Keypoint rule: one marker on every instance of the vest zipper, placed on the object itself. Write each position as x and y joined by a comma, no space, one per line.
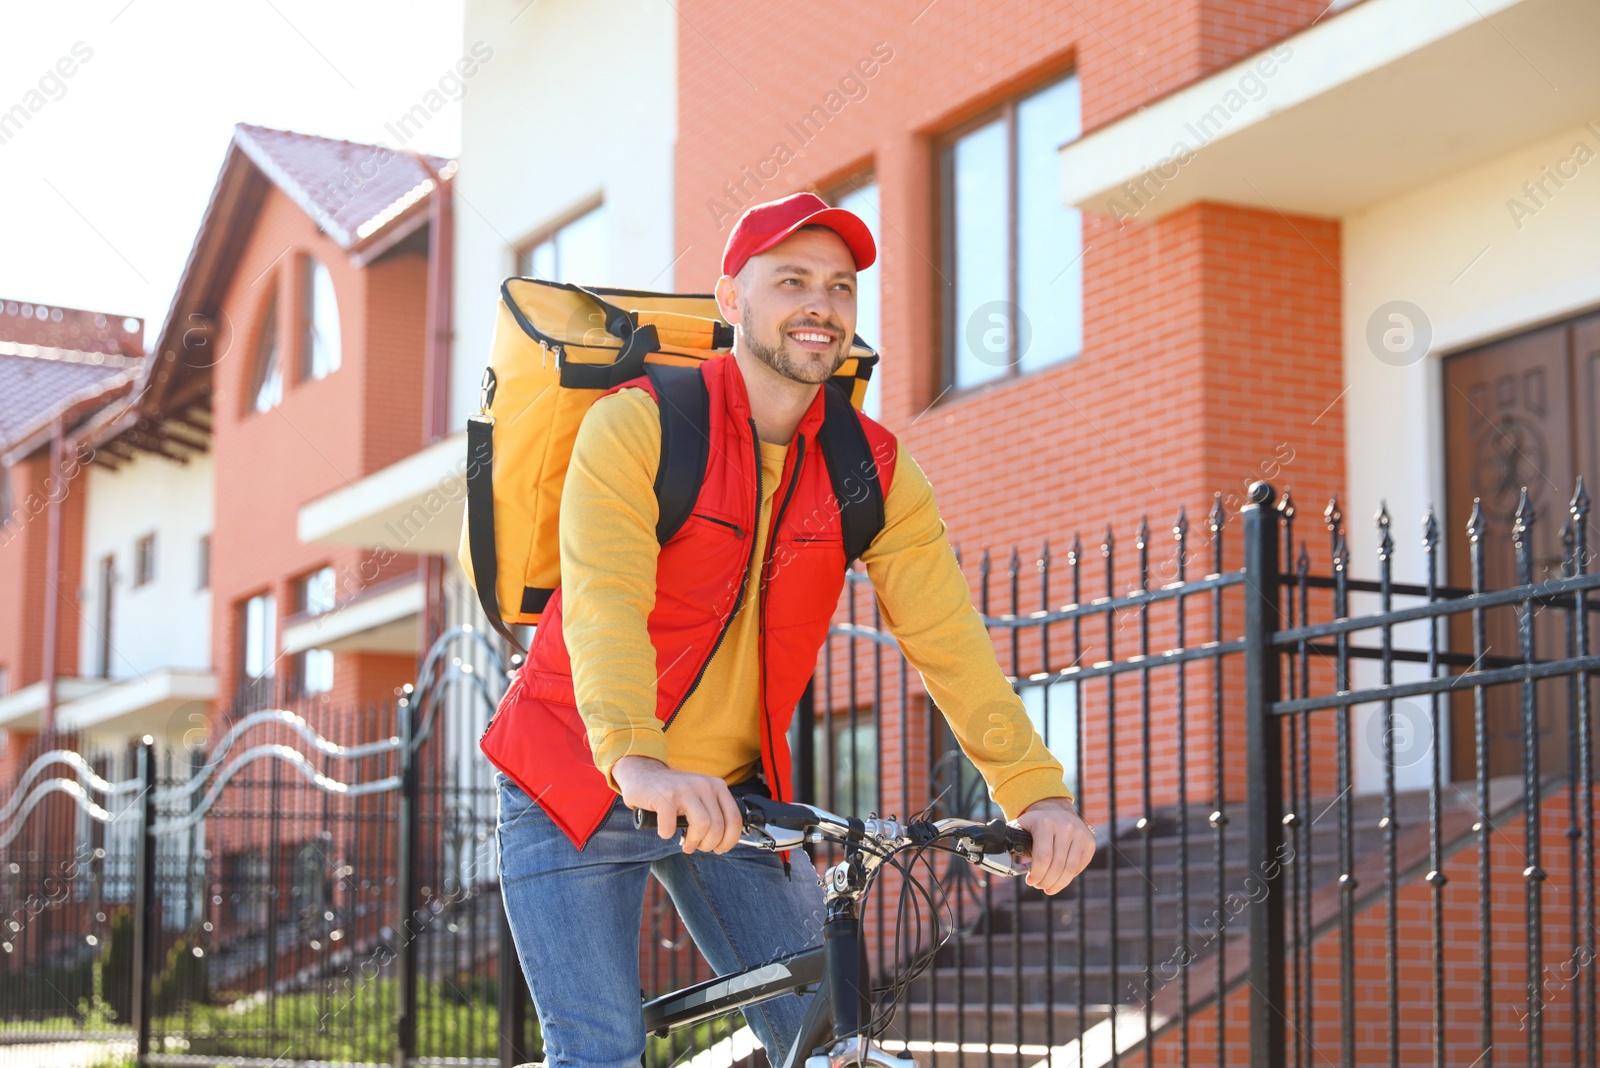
744,580
761,640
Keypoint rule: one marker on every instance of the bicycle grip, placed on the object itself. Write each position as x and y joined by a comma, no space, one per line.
997,835
645,819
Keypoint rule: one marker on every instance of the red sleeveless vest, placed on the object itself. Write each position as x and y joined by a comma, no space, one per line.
536,735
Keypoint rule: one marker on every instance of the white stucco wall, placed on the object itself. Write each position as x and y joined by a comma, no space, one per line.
1477,271
166,623
545,127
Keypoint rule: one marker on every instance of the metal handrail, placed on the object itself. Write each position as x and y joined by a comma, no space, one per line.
294,759
72,790
292,721
76,761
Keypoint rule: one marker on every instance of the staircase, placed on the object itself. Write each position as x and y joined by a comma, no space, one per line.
1017,977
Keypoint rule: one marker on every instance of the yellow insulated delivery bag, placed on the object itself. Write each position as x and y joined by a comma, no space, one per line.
557,348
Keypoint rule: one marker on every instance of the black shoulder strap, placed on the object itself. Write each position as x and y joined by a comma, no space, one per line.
480,521
685,442
853,471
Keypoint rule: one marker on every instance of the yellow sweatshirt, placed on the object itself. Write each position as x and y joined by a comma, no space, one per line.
608,571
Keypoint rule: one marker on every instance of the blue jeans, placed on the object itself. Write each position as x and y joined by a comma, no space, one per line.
575,918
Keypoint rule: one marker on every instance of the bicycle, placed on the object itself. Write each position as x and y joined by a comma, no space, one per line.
837,1029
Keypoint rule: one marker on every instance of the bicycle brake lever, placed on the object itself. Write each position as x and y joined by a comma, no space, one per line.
774,838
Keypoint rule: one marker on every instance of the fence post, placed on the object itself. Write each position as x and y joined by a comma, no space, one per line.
144,902
805,745
406,887
1264,778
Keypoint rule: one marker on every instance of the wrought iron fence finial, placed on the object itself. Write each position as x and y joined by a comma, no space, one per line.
1522,519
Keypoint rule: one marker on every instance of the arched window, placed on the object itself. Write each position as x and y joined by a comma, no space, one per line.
267,388
322,323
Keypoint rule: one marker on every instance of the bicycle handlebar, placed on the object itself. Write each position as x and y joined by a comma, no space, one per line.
762,816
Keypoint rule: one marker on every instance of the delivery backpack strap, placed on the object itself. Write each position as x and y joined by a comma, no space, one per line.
480,513
853,470
685,408
685,442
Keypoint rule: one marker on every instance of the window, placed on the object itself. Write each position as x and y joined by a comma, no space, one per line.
315,595
1053,708
861,197
574,252
260,648
322,323
108,595
1012,251
203,563
249,876
4,682
144,561
267,387
852,758
315,592
312,886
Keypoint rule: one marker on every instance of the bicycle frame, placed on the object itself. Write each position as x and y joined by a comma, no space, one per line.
838,966
831,1029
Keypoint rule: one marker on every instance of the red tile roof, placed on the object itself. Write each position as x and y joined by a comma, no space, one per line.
349,189
34,389
56,360
71,329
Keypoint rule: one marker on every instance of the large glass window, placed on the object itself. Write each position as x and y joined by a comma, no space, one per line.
1053,708
847,761
316,595
259,651
267,386
1012,250
861,197
575,252
322,345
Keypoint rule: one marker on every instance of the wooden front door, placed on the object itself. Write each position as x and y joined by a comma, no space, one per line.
1518,413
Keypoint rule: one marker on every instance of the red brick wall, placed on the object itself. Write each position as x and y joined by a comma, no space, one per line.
324,435
24,549
1211,337
24,589
1463,966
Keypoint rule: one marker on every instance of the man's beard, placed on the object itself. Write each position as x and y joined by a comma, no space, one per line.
780,360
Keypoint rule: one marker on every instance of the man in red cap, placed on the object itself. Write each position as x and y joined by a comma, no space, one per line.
713,635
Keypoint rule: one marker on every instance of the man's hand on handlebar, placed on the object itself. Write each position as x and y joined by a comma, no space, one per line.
704,800
1063,844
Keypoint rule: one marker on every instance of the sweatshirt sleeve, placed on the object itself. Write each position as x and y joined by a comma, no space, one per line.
928,608
608,575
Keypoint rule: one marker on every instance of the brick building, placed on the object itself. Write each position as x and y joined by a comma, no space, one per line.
291,360
1135,255
1131,257
59,367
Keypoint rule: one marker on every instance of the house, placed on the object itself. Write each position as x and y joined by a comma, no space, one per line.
302,310
292,359
1135,255
603,216
59,367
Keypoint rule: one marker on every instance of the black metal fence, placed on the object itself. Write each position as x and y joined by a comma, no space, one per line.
1335,827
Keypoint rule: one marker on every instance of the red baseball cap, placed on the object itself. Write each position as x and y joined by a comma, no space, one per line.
764,225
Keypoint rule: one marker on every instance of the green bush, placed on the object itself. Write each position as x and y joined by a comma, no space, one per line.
184,977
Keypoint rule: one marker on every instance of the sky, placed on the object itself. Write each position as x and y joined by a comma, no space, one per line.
103,187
